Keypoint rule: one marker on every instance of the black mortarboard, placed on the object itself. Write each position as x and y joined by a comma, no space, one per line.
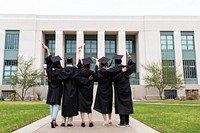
117,57
69,58
104,60
55,58
87,61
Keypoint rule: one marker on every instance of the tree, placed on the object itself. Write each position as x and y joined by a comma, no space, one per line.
26,77
163,76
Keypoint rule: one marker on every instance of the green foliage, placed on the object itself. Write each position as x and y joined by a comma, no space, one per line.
15,115
1,98
14,96
26,77
178,117
162,76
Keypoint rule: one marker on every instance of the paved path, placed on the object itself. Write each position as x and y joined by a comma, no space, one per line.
43,126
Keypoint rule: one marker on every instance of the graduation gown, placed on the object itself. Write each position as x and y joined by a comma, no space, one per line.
104,95
85,90
123,96
55,87
70,97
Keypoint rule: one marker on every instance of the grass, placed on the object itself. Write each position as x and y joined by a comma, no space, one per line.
171,101
169,118
14,115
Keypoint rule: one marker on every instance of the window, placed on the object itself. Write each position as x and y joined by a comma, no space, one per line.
189,69
168,70
7,94
90,45
50,42
70,47
110,46
187,40
170,94
167,40
10,67
130,44
12,40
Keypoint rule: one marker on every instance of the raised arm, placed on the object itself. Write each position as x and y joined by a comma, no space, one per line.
131,67
47,50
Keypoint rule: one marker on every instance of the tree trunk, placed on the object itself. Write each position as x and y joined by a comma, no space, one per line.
22,98
160,94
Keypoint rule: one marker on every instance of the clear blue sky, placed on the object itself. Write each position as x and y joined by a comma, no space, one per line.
101,7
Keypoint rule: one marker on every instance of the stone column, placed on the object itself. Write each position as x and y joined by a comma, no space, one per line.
178,52
141,55
197,48
79,42
59,45
121,45
101,44
2,45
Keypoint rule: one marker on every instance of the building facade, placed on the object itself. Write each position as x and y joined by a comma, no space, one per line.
175,39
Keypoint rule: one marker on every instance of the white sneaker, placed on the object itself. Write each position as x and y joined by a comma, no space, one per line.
109,122
105,124
121,125
127,125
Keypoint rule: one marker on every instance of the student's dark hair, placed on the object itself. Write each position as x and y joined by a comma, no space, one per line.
118,61
70,61
86,67
103,65
57,64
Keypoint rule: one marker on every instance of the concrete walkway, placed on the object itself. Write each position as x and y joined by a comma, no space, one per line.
43,126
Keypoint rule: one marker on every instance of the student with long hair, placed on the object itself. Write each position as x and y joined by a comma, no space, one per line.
55,87
85,90
104,95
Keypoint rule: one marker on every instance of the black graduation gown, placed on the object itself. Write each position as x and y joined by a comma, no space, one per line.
70,96
85,90
55,87
104,95
123,97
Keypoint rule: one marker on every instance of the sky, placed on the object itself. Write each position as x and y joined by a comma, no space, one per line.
101,7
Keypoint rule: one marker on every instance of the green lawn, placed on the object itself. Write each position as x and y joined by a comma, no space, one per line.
169,118
14,115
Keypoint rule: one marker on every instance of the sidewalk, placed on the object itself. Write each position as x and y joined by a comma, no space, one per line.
43,126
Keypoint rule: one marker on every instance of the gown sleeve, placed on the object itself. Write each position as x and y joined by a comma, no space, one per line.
113,71
130,67
60,73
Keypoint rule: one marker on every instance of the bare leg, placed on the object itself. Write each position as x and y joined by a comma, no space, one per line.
90,117
104,117
90,120
105,120
69,121
109,117
82,117
63,121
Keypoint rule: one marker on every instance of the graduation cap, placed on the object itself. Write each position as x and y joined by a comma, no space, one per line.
104,60
55,58
87,61
69,59
117,57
